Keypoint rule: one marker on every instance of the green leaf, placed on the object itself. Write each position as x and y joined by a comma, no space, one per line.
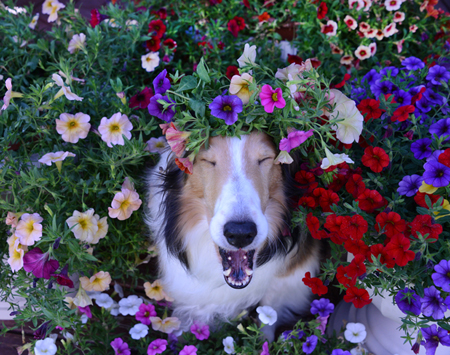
444,325
187,83
203,72
250,118
198,106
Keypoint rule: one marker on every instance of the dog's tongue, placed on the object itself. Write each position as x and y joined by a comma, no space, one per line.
237,267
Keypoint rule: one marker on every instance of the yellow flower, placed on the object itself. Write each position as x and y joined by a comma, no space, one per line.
73,127
51,8
86,225
16,256
123,204
98,282
29,229
155,291
445,206
166,325
239,87
428,189
34,21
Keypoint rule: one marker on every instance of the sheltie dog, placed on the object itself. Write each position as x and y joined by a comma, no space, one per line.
224,233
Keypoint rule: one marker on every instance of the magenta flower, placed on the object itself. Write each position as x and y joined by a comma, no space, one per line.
141,99
188,350
37,262
63,278
265,349
120,347
145,312
201,331
86,310
271,98
294,139
157,347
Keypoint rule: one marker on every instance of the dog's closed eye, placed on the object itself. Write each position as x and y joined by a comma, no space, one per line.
213,163
267,159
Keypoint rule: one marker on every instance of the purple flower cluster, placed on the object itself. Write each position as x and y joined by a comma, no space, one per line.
322,306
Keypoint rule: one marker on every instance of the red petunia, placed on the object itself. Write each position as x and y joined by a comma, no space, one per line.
170,43
358,296
240,22
264,17
232,70
334,223
375,158
326,198
313,225
370,108
355,186
246,3
356,246
294,59
423,224
354,226
347,77
307,202
339,180
356,267
402,113
157,27
397,248
153,44
444,157
96,18
378,250
221,45
316,284
392,223
162,13
342,278
322,10
141,99
420,199
233,27
418,96
306,179
370,200
315,62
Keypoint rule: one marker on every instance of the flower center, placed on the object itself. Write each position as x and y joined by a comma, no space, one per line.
30,227
227,108
363,53
146,314
275,97
82,223
115,127
124,205
73,124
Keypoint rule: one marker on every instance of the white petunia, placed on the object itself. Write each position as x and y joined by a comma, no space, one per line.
114,310
77,42
84,225
51,8
84,318
118,289
392,5
228,345
45,347
283,158
150,61
349,129
34,21
334,159
129,305
390,30
73,127
139,331
292,72
355,332
267,314
113,129
104,300
65,90
248,57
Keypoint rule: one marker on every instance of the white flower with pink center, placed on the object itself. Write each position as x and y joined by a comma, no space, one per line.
113,128
347,60
393,5
373,48
399,16
390,30
364,27
379,35
350,22
413,28
73,127
150,61
330,29
370,33
359,4
362,52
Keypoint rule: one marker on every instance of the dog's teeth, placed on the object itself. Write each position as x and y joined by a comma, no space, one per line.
229,258
245,257
249,272
227,272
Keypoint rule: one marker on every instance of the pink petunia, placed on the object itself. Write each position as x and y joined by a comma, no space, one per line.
271,98
145,312
86,310
188,350
265,349
294,139
201,331
157,347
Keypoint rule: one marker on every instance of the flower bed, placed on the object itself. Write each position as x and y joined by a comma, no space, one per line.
80,121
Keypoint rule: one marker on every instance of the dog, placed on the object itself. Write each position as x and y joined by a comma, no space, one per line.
223,233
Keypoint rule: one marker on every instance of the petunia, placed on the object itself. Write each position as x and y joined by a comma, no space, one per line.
166,325
98,282
141,99
265,349
138,331
120,347
267,314
239,86
34,21
186,164
441,277
248,57
38,263
358,296
77,43
112,129
156,291
432,303
310,344
102,224
157,27
355,332
65,90
226,108
145,312
228,345
283,158
9,94
433,336
334,159
161,84
157,346
375,158
46,346
363,52
157,109
188,350
12,219
398,248
16,253
390,29
104,300
330,29
73,127
413,63
437,74
124,204
86,310
176,140
150,61
51,8
271,98
436,174
201,331
29,228
408,301
350,22
156,145
421,148
434,98
294,139
85,225
322,306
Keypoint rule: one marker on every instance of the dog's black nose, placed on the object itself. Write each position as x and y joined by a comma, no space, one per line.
240,234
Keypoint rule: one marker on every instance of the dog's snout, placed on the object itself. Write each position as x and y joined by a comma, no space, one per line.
240,234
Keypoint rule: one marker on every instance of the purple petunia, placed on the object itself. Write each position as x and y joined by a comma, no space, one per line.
157,109
310,344
358,94
437,74
433,98
293,334
322,306
432,303
408,301
382,88
161,84
371,77
402,97
392,70
441,127
424,105
226,108
409,185
39,264
421,148
435,155
120,347
340,352
436,174
432,337
413,63
441,277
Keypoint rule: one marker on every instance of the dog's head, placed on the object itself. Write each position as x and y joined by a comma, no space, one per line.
241,193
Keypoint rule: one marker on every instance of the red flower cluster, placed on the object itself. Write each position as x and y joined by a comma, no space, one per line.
375,158
322,11
424,225
231,71
235,25
157,29
402,113
370,108
316,284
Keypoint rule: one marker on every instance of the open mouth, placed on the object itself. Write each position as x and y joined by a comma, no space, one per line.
237,266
